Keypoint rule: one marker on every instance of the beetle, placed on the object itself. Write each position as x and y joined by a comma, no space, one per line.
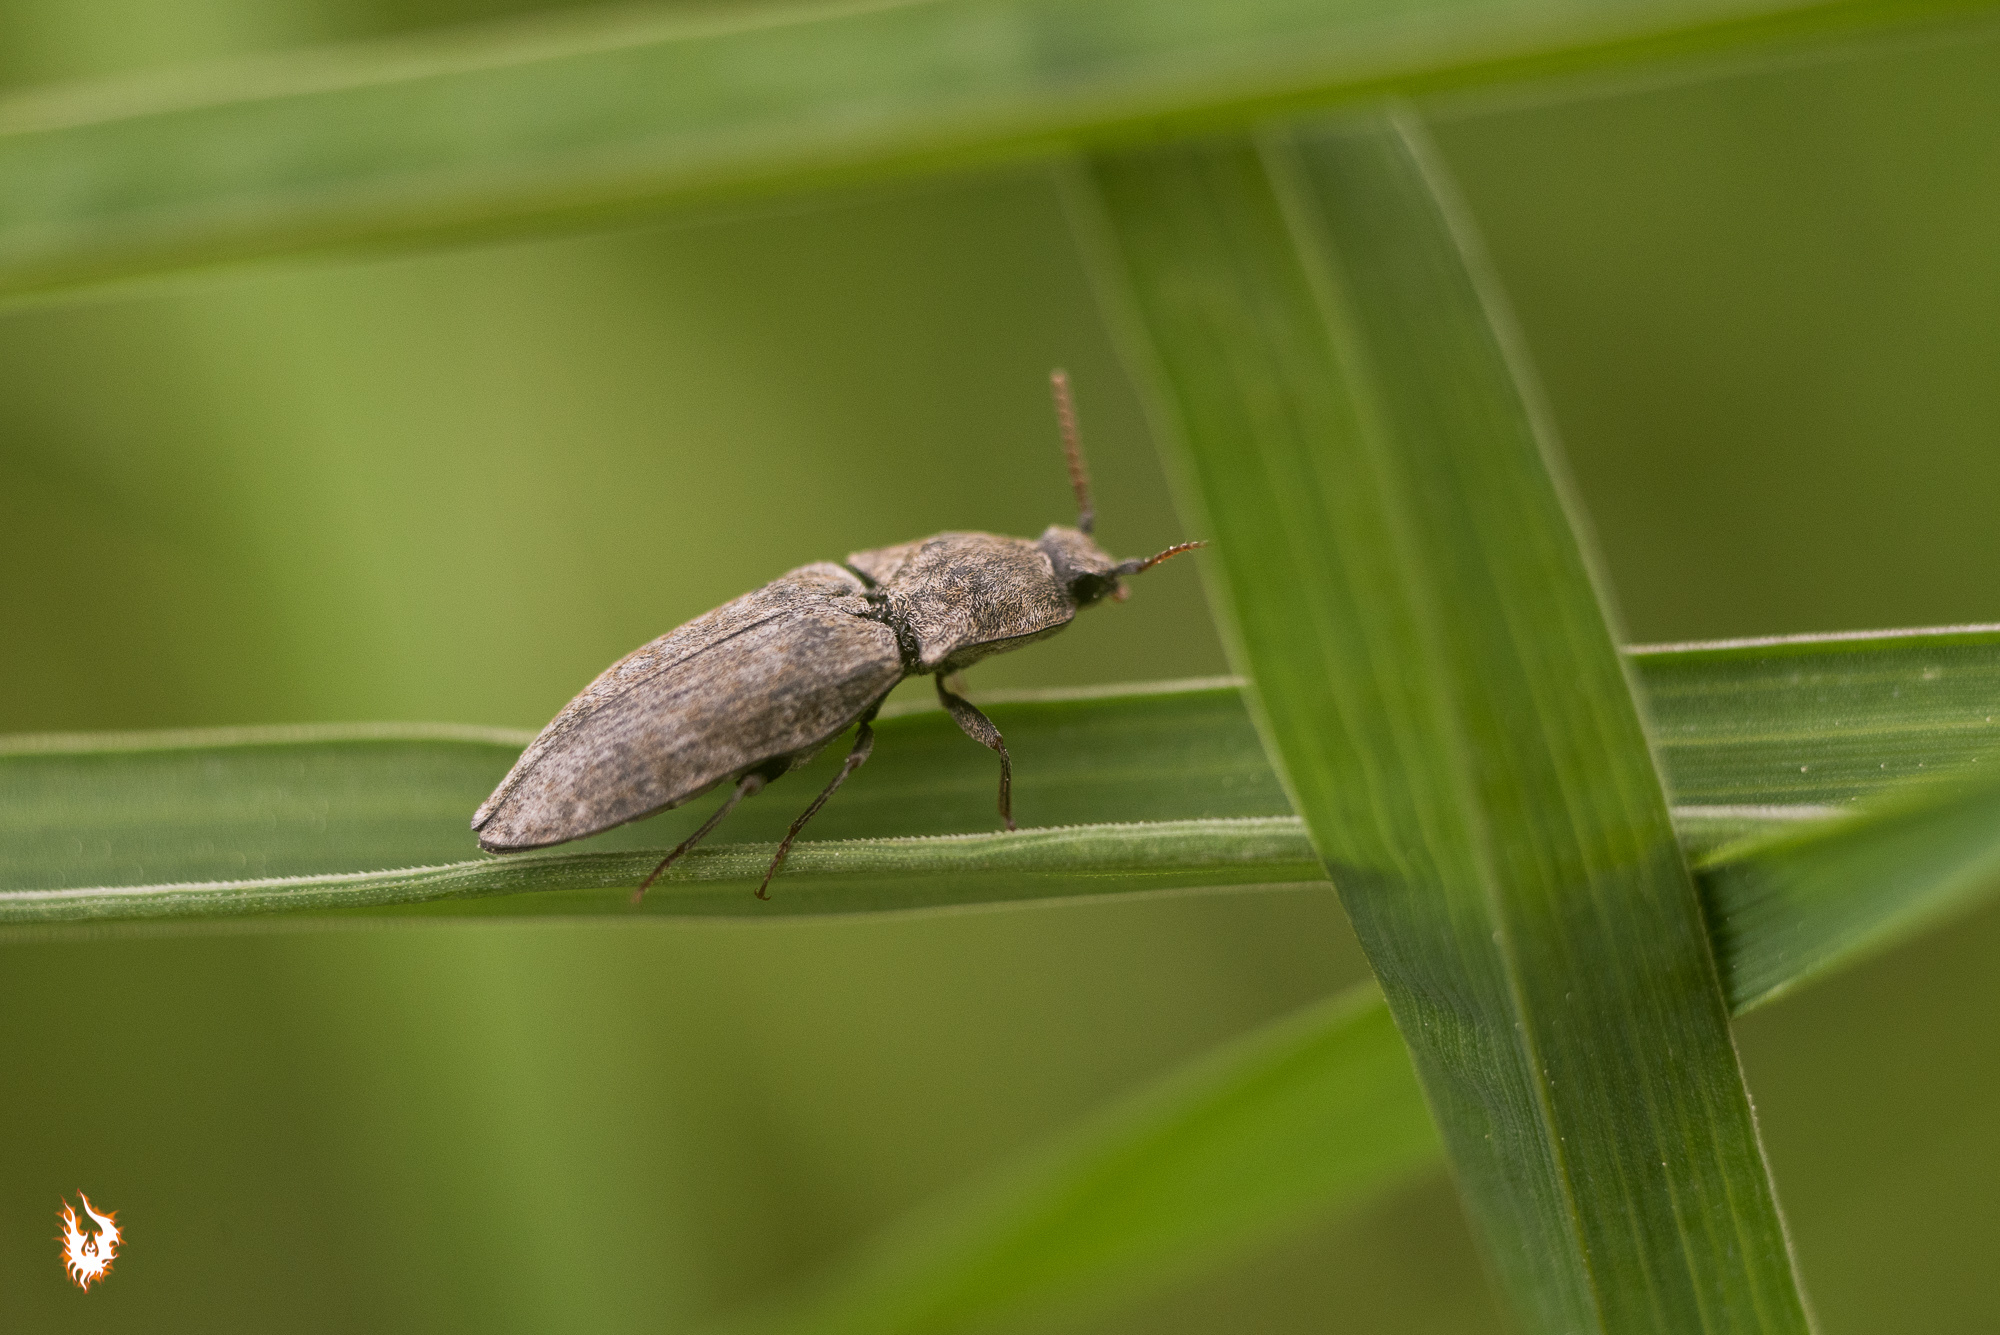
760,685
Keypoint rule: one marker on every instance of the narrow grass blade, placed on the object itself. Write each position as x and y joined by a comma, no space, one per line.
1319,1111
290,817
1803,720
845,876
240,804
567,118
1439,686
196,825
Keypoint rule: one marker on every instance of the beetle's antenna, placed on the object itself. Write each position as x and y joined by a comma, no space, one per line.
1079,476
1135,566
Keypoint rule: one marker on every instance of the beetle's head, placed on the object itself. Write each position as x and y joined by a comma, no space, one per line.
1081,565
1085,570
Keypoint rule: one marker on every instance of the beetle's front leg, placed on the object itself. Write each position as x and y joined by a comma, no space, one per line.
980,729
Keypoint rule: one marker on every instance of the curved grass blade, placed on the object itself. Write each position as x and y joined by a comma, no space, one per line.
1202,1162
1319,1111
566,120
1789,905
1438,684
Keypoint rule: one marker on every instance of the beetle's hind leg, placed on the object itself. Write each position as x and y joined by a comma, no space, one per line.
980,729
864,742
745,787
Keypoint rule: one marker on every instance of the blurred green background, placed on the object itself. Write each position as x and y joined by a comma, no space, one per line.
1765,302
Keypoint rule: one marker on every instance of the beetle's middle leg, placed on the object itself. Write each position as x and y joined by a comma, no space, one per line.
980,729
747,786
864,742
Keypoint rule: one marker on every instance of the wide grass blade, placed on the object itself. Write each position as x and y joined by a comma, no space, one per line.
569,119
1319,1111
1438,683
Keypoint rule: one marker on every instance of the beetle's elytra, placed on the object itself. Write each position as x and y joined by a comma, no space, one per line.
759,685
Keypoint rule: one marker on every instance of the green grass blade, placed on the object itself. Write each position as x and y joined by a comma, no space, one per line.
1440,688
240,804
333,817
568,119
1788,906
1819,719
846,876
1154,787
1330,1137
1201,1161
1324,1101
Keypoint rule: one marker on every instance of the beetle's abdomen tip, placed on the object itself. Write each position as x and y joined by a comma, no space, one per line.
515,826
499,841
497,835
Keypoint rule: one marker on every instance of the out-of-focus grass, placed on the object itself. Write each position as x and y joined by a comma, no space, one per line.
587,122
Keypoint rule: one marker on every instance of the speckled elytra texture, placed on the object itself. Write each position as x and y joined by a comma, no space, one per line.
762,683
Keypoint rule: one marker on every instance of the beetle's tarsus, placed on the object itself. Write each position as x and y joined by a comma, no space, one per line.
980,729
864,742
749,784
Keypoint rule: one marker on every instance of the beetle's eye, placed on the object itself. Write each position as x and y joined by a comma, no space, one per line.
1087,589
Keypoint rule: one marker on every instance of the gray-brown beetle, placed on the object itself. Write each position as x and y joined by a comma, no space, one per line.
758,686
